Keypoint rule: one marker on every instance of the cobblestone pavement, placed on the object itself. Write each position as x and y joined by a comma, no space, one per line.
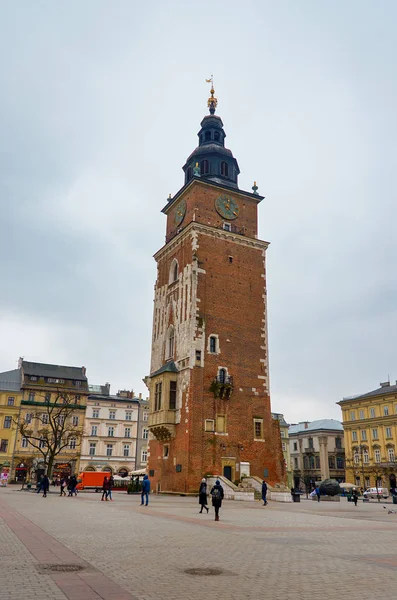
292,551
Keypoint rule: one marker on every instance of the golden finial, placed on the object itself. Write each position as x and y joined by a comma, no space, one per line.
212,101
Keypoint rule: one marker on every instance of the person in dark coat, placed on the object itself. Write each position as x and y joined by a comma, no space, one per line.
217,497
110,487
203,495
72,486
45,485
145,490
355,496
264,492
105,489
64,484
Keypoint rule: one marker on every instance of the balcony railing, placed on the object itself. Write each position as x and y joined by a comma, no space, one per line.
225,380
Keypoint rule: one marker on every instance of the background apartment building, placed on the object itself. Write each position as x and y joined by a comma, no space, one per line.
115,436
317,452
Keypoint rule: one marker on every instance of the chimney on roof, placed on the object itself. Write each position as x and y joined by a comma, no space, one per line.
140,395
107,388
83,370
306,424
385,384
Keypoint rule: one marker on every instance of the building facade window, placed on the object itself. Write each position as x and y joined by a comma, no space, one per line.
112,414
284,446
204,165
377,455
128,416
31,396
213,344
3,445
317,461
363,435
172,395
94,429
221,423
361,414
390,453
352,415
386,411
375,433
73,443
157,396
331,462
338,443
109,449
224,168
166,451
310,441
295,446
146,416
41,443
127,432
258,429
110,431
10,401
340,463
126,450
388,432
45,417
354,436
209,425
95,413
356,458
222,375
170,342
25,443
7,422
295,463
145,435
92,448
144,455
366,456
198,356
75,421
372,413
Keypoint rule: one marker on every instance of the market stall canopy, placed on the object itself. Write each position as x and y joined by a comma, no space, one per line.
138,472
347,486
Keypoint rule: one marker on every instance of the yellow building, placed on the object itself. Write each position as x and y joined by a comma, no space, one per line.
370,425
284,428
50,393
10,400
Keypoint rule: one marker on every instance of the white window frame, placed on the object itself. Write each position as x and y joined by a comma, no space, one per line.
127,432
388,432
377,457
109,449
354,436
92,449
217,347
94,429
209,425
386,411
144,455
25,443
95,413
126,450
145,434
259,439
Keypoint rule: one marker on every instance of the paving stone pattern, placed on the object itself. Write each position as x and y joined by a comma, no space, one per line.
292,551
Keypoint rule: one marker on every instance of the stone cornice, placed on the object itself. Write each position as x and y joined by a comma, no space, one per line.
212,232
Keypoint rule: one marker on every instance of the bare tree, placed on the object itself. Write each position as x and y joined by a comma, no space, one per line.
50,429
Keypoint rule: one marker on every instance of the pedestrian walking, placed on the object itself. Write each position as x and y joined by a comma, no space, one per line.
145,490
264,493
355,496
64,484
110,487
72,486
203,495
217,497
39,485
45,485
317,490
105,489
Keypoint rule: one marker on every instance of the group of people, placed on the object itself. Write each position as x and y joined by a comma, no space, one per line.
107,486
65,483
216,493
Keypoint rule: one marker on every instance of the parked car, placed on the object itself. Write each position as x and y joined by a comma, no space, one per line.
375,492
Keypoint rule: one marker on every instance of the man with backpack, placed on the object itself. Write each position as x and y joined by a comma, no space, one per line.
217,497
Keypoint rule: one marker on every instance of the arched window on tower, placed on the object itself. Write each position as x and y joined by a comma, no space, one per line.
222,375
217,136
204,167
173,276
224,169
170,342
207,136
189,174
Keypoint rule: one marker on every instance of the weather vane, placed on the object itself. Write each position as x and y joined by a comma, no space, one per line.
212,101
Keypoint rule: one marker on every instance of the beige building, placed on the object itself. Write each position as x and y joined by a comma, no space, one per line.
370,424
317,452
113,426
284,433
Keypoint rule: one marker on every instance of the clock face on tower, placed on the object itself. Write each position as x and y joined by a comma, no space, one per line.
180,212
227,207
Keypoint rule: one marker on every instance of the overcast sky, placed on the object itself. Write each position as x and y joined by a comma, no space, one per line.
100,105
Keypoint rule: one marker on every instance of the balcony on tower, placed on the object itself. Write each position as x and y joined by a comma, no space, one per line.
222,385
163,401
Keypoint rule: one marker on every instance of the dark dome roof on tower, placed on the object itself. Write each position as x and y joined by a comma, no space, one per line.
211,160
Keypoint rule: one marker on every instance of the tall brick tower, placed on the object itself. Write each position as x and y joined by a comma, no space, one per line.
209,380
